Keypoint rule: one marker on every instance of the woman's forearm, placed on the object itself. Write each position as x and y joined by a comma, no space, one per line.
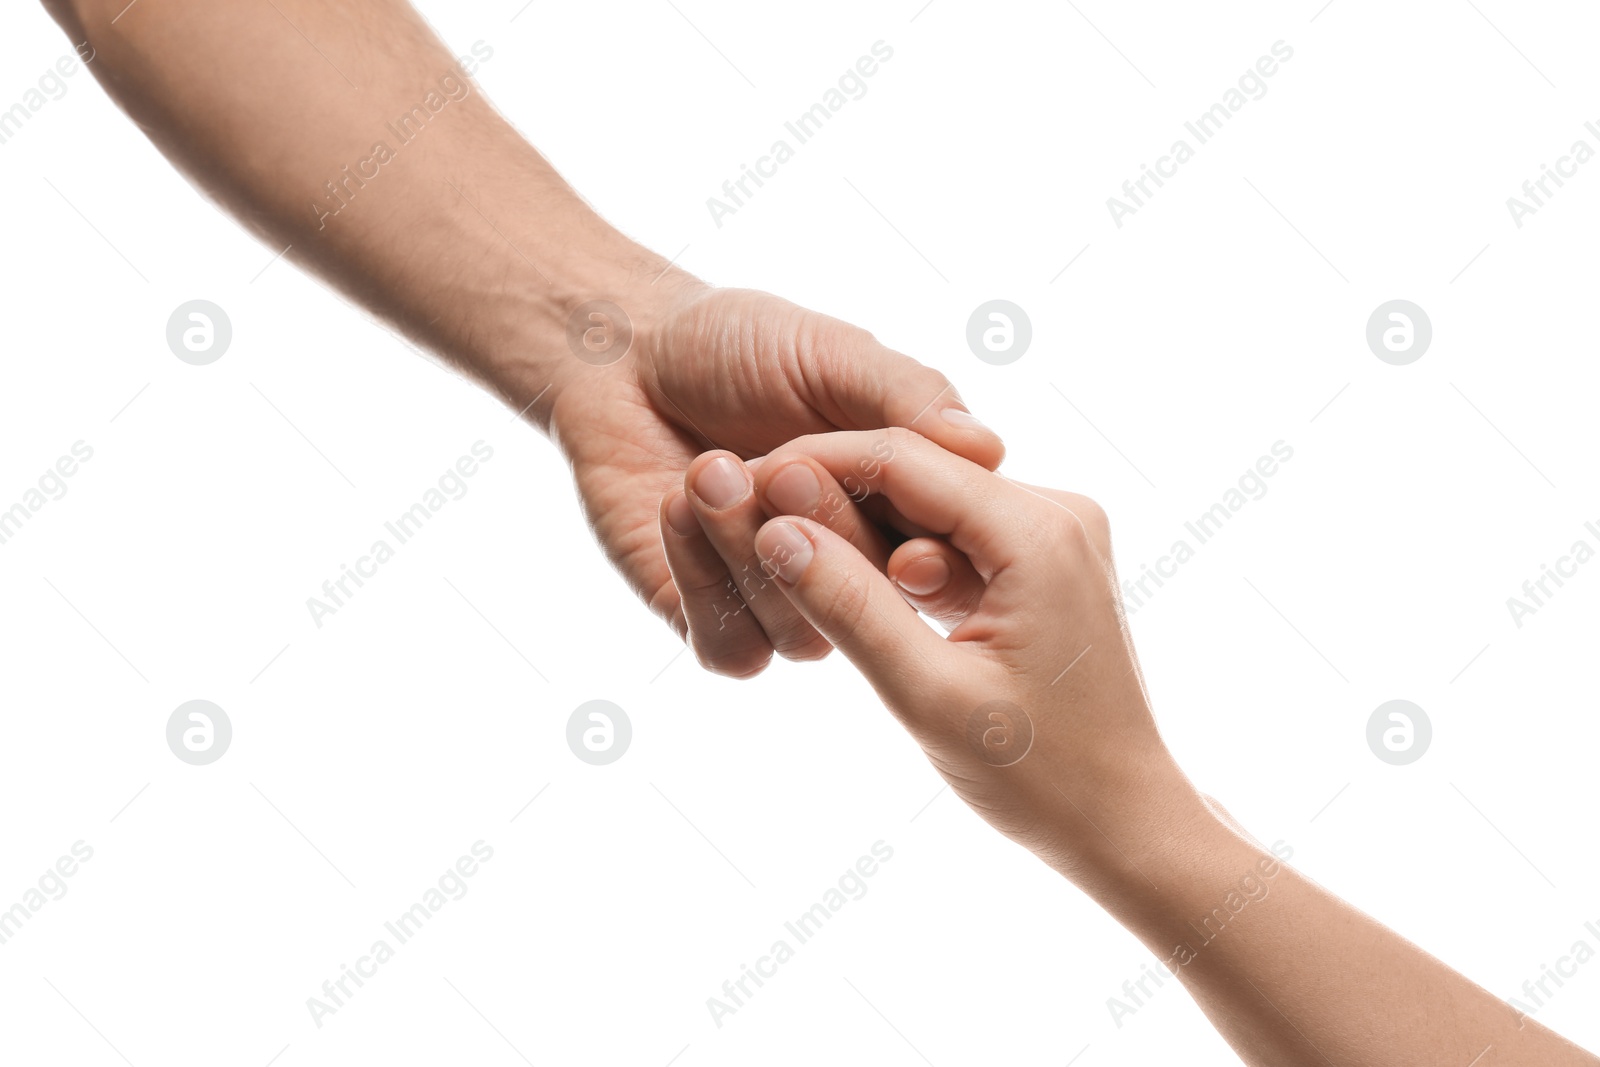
1036,713
1290,974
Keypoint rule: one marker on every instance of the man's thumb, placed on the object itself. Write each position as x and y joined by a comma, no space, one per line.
875,387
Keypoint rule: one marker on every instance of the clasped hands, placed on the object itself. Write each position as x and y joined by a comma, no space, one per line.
774,480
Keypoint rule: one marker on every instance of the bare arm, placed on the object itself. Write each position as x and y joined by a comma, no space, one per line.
1035,711
351,132
347,130
1289,973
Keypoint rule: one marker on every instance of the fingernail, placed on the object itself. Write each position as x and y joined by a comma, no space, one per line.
964,419
721,483
786,549
794,490
680,516
924,577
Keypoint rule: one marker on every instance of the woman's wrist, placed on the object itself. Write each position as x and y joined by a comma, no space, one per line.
1125,842
1182,867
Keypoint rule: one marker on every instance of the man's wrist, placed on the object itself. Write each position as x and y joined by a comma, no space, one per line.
519,260
579,322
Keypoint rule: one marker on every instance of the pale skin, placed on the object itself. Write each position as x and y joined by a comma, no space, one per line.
470,244
1024,578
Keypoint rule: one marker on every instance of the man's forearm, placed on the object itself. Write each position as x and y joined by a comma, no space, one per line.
346,132
349,132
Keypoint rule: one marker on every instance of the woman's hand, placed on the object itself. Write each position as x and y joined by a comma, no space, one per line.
1033,708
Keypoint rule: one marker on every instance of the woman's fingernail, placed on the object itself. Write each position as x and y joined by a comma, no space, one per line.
721,483
924,577
786,549
964,419
680,516
794,490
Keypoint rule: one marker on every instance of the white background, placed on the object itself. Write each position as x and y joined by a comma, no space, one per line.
1204,330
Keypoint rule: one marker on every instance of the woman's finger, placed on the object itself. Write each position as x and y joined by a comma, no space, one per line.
801,487
936,579
987,518
860,612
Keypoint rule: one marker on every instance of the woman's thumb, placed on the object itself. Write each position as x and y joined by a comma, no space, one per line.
856,608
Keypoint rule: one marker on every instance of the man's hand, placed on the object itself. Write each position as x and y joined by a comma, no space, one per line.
746,372
474,248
